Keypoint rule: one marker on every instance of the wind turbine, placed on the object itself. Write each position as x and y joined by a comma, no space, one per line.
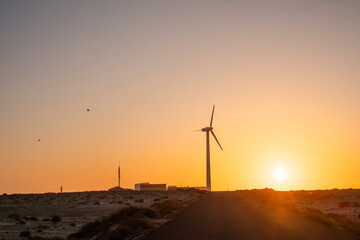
208,130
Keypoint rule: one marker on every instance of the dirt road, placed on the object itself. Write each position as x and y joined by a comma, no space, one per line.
233,215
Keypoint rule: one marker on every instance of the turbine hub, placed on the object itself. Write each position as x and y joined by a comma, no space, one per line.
207,129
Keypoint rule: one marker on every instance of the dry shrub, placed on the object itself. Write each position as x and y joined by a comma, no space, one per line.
14,216
31,218
344,204
25,234
356,204
317,215
332,218
167,207
122,224
43,226
345,222
55,218
41,238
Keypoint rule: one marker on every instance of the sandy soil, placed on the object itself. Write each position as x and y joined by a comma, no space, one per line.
59,214
340,208
345,202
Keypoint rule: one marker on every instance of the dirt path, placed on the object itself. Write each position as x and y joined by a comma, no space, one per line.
233,215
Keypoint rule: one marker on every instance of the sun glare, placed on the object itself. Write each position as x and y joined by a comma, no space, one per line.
280,174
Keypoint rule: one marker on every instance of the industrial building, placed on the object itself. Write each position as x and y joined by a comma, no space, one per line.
150,187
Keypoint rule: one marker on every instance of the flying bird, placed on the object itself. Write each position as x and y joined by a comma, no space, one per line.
88,109
38,140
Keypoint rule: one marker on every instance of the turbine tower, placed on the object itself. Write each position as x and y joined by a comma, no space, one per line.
119,174
208,130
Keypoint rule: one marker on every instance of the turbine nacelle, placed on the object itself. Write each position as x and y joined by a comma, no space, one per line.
207,129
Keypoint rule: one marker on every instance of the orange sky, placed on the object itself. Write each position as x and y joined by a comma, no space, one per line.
284,76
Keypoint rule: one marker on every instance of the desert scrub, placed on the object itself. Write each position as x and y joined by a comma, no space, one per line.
125,223
25,234
21,222
55,219
333,219
317,215
344,204
345,222
31,218
41,226
34,218
167,207
14,216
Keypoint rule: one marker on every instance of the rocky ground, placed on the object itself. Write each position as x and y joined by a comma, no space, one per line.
336,207
345,202
56,215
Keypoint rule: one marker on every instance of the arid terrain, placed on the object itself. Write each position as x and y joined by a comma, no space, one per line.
344,202
336,207
244,214
264,214
56,215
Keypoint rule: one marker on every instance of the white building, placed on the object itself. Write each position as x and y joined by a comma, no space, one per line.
138,185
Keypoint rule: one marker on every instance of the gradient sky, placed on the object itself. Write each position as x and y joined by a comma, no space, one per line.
284,76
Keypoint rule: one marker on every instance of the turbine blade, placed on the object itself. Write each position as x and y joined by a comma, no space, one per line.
212,115
197,130
216,140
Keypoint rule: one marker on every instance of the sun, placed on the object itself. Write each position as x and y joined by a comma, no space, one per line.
280,174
